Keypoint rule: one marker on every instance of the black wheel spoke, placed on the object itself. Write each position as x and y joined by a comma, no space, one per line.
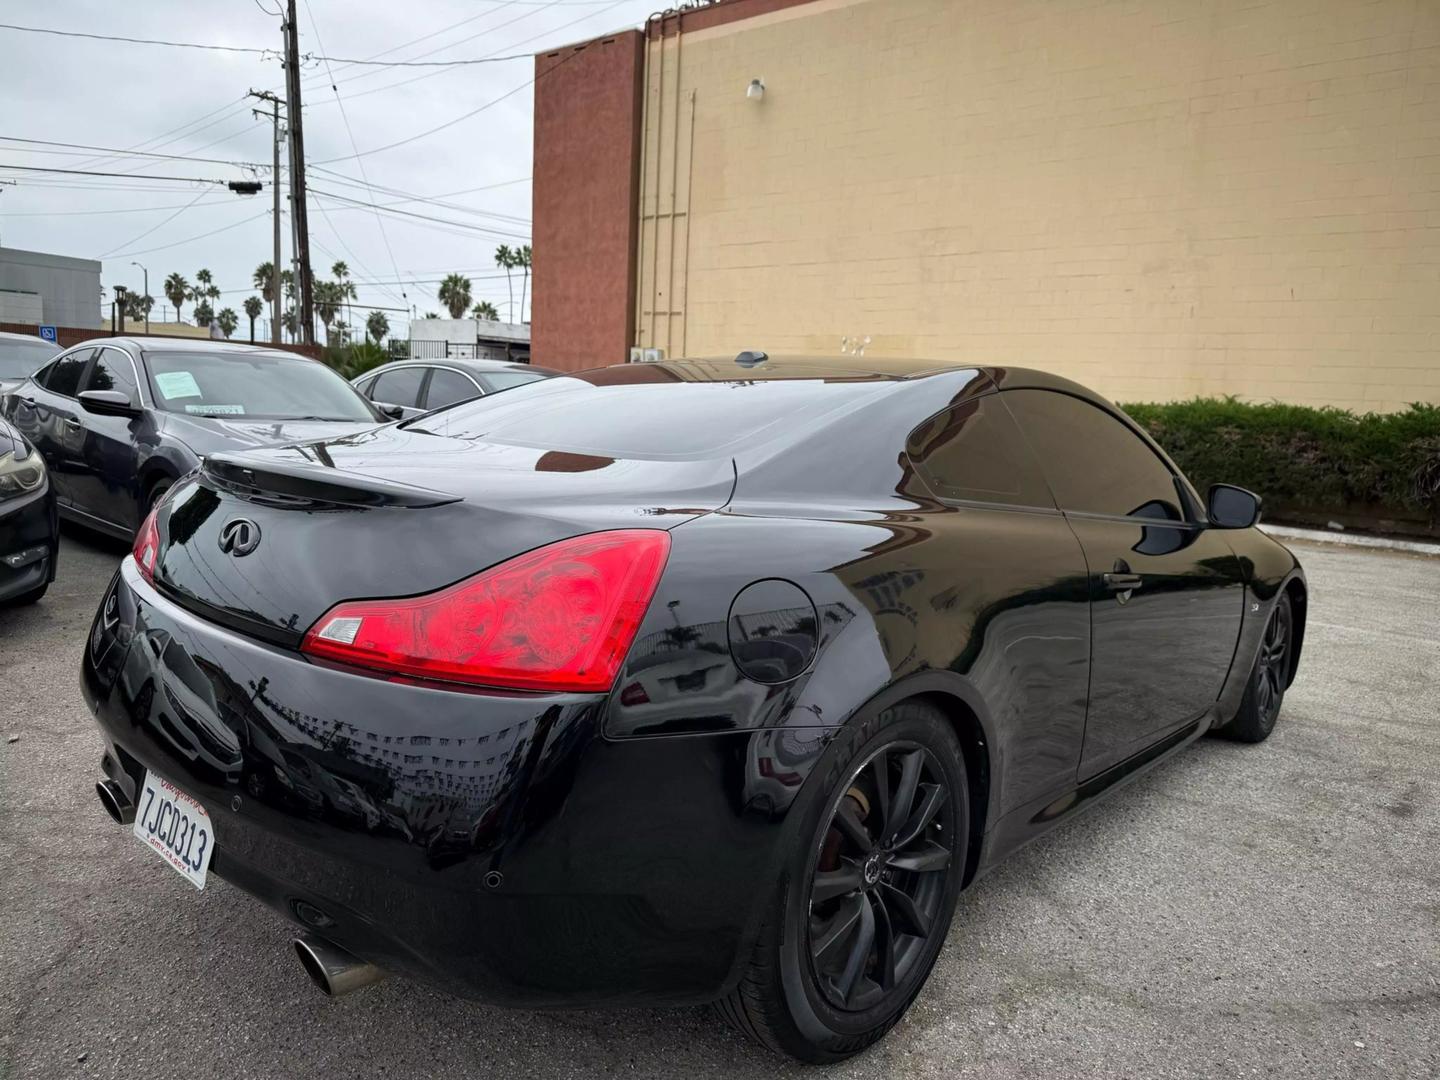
849,824
832,883
904,792
923,860
826,946
931,799
880,772
859,953
884,949
909,919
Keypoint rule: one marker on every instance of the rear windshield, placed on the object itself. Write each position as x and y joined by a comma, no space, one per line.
259,385
644,419
21,358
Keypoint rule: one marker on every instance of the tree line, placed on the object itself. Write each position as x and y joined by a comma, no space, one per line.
330,297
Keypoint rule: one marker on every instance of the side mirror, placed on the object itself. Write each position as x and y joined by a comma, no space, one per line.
1231,507
394,412
107,403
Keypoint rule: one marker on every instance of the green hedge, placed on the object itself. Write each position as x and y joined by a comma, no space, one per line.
1306,462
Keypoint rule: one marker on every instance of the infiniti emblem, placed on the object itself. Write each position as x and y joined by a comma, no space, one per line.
239,536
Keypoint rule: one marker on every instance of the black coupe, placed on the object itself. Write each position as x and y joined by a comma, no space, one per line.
700,681
121,419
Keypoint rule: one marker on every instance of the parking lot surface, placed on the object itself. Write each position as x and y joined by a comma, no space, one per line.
1267,910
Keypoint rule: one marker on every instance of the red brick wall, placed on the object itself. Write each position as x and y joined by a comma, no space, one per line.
586,183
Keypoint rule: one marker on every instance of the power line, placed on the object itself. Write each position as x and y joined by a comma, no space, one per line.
129,153
201,236
350,134
127,176
147,232
423,217
114,210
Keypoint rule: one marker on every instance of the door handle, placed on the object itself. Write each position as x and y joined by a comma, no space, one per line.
1122,582
70,421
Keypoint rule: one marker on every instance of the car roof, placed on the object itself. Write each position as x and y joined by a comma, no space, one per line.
470,364
830,367
158,344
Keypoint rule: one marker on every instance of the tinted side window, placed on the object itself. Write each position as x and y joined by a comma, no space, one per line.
1095,464
64,375
448,387
365,386
112,371
974,451
399,387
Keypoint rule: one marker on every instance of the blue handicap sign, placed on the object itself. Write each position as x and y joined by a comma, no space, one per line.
49,333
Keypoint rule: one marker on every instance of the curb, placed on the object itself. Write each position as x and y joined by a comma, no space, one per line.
1348,539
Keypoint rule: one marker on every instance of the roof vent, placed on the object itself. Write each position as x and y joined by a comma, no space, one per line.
751,358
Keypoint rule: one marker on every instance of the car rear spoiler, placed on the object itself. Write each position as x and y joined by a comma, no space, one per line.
268,476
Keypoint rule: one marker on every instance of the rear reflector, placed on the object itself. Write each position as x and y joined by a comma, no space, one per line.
559,618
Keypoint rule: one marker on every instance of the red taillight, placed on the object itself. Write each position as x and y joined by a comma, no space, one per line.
147,545
558,618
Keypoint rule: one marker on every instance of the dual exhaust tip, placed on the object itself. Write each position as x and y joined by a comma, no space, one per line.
335,971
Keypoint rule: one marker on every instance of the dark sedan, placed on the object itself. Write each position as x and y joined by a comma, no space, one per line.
700,681
416,386
21,356
121,419
29,534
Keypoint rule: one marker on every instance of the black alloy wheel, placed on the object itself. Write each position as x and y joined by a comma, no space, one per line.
879,879
1265,692
863,906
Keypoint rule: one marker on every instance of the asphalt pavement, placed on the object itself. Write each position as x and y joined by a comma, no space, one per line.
1267,910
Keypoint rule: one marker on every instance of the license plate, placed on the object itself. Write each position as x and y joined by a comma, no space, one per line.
176,828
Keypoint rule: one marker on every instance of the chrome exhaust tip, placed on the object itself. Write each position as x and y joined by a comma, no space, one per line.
332,969
116,803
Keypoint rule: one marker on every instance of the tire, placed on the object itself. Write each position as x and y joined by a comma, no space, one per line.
1265,689
28,597
154,493
809,989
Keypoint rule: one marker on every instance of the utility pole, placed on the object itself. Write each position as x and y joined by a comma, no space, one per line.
297,173
265,95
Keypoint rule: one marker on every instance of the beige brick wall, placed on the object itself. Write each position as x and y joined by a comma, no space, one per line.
1160,198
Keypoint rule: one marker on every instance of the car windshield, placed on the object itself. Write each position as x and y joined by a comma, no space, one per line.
257,384
21,358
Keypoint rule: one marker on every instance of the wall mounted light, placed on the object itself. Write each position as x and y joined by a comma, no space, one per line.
756,90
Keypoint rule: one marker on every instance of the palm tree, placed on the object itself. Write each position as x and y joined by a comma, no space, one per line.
455,294
486,310
430,315
347,287
264,279
227,320
377,326
522,257
254,307
204,313
290,322
505,258
328,296
177,291
137,306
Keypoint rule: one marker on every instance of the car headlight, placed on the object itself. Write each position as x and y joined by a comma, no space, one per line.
20,475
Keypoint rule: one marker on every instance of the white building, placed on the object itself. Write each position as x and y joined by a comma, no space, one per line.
475,339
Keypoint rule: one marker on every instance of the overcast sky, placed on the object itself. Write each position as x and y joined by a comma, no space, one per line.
191,102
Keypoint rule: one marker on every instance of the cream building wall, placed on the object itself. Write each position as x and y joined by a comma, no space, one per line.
1160,198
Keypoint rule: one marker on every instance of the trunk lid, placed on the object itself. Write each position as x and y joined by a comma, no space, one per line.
394,512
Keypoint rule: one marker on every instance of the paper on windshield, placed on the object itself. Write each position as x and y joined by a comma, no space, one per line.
177,384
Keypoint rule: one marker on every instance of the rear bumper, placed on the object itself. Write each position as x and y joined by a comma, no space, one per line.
492,844
29,535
